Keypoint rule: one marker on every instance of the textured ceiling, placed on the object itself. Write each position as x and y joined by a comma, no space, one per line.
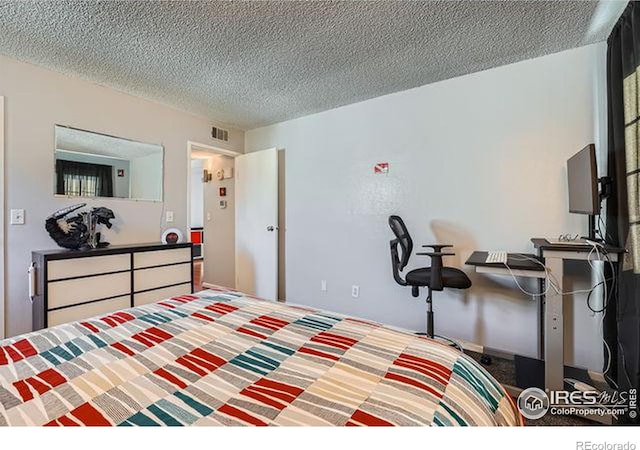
79,141
255,63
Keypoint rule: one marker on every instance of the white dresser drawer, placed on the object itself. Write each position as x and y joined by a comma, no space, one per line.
78,267
72,292
72,286
160,257
81,312
157,277
161,294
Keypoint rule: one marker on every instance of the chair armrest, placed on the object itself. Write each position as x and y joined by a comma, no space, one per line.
437,254
438,247
436,282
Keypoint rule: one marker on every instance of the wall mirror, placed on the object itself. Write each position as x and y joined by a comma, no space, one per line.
89,164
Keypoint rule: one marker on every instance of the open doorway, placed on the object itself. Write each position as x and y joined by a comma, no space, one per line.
196,220
212,215
237,220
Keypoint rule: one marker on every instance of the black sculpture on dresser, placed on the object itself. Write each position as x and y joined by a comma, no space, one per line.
78,231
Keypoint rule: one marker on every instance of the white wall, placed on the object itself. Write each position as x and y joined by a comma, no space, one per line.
219,226
197,193
146,177
35,100
477,161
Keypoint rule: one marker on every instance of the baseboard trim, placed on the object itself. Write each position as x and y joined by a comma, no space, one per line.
477,348
217,286
471,347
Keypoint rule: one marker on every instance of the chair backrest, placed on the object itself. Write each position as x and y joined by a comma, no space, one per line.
402,240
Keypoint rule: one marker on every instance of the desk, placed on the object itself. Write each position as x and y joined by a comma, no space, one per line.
519,266
551,320
554,256
551,346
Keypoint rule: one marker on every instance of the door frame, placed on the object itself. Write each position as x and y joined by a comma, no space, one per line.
3,259
191,146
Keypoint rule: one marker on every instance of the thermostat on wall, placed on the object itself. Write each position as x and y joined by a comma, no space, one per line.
225,173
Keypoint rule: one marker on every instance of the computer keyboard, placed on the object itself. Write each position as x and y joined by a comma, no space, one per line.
496,257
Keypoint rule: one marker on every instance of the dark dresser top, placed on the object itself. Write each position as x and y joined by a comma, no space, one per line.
63,253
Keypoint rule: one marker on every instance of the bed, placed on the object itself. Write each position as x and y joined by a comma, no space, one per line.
219,357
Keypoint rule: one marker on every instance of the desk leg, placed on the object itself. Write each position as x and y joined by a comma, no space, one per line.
542,285
554,329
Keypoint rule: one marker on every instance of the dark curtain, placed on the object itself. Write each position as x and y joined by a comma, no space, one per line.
83,179
622,322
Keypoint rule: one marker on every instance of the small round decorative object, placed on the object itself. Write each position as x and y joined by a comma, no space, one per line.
172,236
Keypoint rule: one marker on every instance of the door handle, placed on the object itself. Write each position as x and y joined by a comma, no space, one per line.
271,228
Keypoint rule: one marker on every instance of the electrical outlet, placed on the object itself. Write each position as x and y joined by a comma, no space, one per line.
323,285
355,291
208,216
17,217
169,216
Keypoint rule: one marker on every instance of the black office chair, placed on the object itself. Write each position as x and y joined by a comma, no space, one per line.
434,278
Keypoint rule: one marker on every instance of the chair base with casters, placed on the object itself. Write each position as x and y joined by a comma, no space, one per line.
434,278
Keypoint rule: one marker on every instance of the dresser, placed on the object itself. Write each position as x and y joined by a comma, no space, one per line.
74,285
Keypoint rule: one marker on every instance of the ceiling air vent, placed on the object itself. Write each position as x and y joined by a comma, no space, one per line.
220,134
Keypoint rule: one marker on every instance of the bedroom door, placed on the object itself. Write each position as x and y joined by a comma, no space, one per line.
257,223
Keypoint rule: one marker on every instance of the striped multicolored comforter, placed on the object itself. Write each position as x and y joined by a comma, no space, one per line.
223,358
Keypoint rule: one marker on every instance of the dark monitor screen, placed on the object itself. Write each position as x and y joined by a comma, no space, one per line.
583,182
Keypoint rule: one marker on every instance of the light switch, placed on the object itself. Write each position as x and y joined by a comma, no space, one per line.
17,217
169,216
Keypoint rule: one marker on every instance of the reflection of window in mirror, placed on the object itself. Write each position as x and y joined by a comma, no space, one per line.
81,179
91,164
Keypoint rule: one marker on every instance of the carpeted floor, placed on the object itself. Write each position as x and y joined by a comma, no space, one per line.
504,371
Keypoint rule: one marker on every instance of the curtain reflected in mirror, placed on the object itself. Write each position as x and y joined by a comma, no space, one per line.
80,179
